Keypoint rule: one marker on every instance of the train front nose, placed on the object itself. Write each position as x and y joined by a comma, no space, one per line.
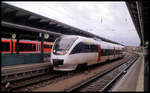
57,62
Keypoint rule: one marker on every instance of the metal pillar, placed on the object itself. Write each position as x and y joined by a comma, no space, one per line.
17,44
12,46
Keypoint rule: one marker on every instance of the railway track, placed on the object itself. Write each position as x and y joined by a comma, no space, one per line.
14,73
23,83
10,86
29,84
105,80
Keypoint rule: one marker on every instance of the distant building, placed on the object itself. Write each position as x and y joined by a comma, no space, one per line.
131,48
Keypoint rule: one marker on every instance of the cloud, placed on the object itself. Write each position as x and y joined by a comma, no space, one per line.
107,19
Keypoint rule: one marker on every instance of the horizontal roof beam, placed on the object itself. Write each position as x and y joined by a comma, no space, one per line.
27,28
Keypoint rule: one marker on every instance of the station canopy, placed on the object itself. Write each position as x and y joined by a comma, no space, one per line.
139,11
29,25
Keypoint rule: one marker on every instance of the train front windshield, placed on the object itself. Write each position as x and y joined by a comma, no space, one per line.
62,45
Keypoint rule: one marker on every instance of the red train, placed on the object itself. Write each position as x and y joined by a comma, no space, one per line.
25,46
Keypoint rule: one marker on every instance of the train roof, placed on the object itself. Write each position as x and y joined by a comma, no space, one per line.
104,44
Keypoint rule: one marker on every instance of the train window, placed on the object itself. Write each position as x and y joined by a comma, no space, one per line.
27,47
85,48
77,48
111,52
93,48
81,48
64,43
118,51
102,52
5,46
107,52
47,46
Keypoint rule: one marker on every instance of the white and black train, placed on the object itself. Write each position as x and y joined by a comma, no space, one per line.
71,51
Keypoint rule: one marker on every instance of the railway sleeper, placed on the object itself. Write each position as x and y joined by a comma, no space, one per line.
17,76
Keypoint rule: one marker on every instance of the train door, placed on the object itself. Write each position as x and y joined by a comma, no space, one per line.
38,48
93,54
103,51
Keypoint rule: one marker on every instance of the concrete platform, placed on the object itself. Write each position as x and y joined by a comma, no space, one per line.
16,72
23,68
133,80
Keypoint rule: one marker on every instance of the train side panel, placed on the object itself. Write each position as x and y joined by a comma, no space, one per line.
84,50
9,45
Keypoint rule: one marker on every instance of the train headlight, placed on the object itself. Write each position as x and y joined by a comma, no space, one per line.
60,52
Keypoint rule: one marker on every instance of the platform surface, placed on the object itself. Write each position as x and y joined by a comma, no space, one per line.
133,80
23,67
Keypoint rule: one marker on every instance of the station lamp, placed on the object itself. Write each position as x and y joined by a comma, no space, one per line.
46,36
146,44
13,36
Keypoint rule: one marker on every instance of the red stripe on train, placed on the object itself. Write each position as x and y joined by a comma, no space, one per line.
99,53
114,51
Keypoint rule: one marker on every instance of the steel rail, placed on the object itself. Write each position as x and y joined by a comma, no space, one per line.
101,74
108,86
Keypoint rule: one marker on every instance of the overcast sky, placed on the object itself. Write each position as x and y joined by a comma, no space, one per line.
106,19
